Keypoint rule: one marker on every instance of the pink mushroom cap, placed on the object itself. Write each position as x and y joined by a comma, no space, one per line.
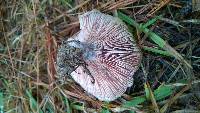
111,54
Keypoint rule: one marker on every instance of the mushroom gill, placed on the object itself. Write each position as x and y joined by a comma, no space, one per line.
104,56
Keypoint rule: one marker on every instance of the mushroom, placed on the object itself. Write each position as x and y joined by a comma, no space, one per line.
102,58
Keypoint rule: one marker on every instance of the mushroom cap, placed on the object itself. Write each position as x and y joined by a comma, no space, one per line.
110,53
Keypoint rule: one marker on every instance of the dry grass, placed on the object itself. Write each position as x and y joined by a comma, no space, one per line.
31,31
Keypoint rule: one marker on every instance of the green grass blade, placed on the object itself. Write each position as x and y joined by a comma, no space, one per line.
33,103
135,101
157,51
147,92
48,107
104,110
1,103
193,21
151,22
78,107
128,20
154,37
162,92
66,102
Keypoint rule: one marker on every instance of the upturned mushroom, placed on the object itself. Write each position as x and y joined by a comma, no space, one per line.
102,58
